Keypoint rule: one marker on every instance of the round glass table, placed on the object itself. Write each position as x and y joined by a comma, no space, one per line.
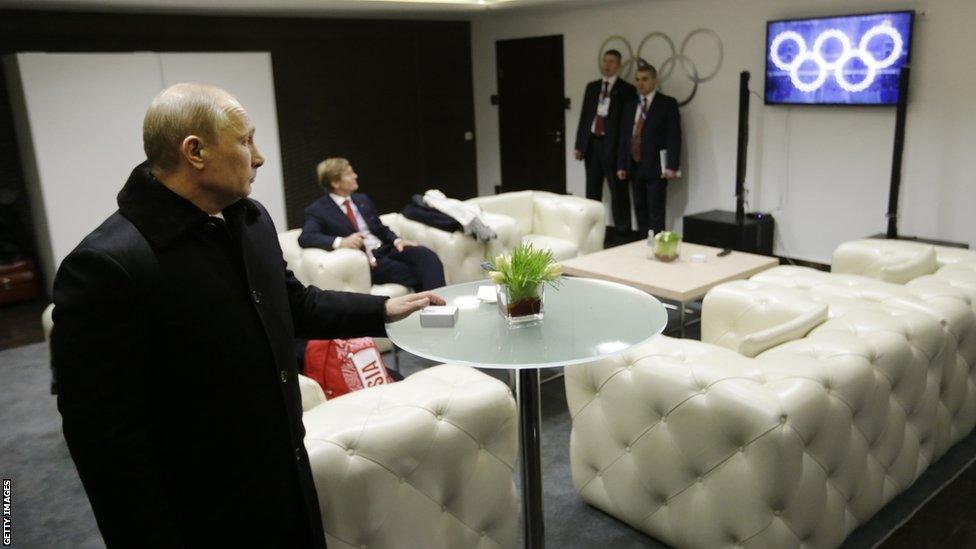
584,320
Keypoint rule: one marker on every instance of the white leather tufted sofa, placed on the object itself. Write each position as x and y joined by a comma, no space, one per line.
568,225
701,446
460,254
425,463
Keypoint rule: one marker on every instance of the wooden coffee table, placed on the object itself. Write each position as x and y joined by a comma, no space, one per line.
680,281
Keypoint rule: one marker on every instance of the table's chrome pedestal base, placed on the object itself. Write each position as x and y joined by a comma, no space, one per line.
530,416
682,308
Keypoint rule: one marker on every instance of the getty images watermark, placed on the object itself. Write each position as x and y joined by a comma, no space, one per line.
6,512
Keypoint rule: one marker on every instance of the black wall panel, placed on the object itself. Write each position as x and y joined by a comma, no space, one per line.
394,97
15,216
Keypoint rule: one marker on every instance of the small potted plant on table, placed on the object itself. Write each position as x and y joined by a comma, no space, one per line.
520,280
667,245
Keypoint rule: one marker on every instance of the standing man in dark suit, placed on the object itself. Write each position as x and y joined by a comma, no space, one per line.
174,323
650,124
344,218
597,135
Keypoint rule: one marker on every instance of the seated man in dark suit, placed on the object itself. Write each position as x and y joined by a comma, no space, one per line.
344,218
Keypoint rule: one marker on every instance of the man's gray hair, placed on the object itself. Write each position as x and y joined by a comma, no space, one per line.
179,111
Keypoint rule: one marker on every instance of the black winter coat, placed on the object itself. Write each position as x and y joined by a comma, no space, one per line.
172,344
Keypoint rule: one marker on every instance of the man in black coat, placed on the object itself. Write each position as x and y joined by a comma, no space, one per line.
173,330
650,124
344,218
597,135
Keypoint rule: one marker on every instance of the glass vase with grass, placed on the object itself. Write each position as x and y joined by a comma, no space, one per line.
667,246
520,280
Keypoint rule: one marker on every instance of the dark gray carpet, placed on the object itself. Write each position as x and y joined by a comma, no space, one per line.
49,506
50,509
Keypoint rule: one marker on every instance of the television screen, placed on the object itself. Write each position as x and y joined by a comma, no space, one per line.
848,60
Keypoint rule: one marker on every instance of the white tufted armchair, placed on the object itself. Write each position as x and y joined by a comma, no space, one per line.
425,463
701,446
344,270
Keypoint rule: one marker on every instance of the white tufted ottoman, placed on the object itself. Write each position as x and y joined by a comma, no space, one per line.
425,463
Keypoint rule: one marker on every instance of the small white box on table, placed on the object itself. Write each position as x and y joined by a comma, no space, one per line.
439,316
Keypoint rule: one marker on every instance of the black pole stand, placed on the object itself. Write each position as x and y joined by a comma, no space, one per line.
896,156
742,146
897,153
530,415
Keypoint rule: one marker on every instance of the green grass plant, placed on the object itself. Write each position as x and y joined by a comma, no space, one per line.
524,271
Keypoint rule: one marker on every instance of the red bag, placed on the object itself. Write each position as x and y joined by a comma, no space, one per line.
344,365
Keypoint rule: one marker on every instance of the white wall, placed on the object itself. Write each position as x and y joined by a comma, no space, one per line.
822,171
79,120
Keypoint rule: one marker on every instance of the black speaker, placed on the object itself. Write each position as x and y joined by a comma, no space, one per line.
719,228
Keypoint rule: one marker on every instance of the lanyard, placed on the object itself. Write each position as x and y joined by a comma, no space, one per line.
644,108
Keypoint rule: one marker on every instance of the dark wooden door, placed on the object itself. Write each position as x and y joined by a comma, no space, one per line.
531,113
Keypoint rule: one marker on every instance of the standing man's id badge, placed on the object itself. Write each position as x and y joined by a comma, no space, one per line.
603,107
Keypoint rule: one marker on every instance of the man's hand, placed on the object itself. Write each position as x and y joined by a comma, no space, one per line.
670,174
398,308
622,175
353,241
577,154
402,243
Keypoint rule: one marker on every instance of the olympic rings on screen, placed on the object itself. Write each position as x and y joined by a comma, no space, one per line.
848,52
676,56
801,45
837,35
897,44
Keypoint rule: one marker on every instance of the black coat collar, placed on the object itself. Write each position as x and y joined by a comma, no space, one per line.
161,215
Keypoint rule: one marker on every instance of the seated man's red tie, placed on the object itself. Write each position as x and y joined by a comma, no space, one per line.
351,215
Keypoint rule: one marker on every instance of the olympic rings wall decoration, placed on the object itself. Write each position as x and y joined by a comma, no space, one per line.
677,57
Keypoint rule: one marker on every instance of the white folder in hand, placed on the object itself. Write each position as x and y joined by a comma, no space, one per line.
664,162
